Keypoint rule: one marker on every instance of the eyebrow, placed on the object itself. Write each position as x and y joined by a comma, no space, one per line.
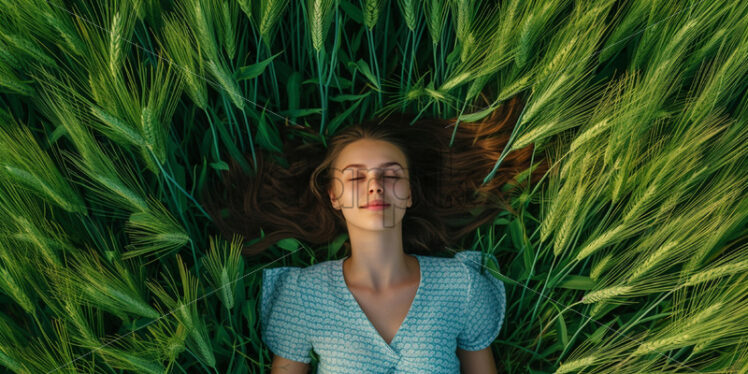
380,165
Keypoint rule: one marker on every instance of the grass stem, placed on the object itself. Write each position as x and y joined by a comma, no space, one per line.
170,179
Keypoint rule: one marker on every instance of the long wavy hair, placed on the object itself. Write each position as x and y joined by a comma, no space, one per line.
287,198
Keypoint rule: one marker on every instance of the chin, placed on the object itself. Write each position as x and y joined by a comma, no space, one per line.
380,223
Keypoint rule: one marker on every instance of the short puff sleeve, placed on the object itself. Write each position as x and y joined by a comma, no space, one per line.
485,303
282,314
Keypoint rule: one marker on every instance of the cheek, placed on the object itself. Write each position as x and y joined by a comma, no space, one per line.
401,189
338,188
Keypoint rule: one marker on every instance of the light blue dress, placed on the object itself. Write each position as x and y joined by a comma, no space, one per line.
456,306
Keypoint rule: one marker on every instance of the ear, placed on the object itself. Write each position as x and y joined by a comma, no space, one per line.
333,200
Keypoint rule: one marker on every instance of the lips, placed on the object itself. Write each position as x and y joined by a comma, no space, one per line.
375,203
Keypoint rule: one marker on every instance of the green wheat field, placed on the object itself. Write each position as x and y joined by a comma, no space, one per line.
629,256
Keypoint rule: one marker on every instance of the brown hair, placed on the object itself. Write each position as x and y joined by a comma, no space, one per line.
292,202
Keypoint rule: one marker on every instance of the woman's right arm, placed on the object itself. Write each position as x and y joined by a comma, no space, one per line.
285,366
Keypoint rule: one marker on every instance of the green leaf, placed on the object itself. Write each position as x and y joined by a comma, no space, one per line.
338,120
343,57
293,87
531,371
517,236
222,336
556,347
4,116
356,43
597,336
363,67
335,245
201,178
352,11
526,173
229,143
59,131
562,332
300,112
501,221
179,176
493,269
472,117
220,165
267,135
342,82
577,282
454,56
289,244
315,138
653,317
341,98
252,71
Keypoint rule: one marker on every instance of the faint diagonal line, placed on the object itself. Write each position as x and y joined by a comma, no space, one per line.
214,84
586,58
218,87
171,311
581,314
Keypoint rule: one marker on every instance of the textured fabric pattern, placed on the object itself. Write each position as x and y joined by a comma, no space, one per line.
456,306
282,307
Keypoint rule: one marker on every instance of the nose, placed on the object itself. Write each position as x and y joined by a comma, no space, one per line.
375,184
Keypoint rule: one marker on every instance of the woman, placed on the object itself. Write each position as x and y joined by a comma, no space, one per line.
387,306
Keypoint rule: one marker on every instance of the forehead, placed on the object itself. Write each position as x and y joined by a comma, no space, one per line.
369,154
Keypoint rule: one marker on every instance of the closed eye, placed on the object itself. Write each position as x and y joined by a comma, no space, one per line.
355,179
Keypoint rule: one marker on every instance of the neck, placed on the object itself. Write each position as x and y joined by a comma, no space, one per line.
378,261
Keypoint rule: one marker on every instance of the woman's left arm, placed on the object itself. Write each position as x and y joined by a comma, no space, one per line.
477,362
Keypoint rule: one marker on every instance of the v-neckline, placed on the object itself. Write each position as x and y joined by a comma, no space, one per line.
361,313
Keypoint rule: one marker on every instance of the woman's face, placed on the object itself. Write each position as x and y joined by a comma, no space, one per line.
365,171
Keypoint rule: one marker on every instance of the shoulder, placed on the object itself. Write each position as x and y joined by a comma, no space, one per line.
279,286
444,275
316,283
283,313
278,279
479,269
485,301
320,269
473,260
460,269
296,279
314,280
461,261
291,292
438,263
295,274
